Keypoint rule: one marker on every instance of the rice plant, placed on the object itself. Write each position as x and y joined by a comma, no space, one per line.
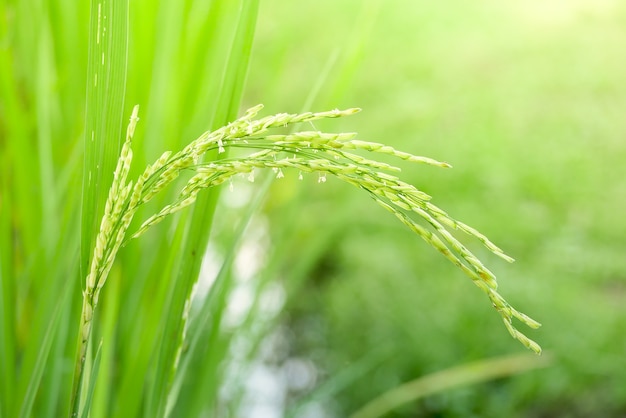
307,151
71,266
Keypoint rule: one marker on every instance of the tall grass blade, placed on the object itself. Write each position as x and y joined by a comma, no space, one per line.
465,374
109,321
44,351
224,110
54,389
230,97
106,85
7,299
92,381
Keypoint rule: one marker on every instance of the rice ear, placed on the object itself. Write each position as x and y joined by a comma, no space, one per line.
305,152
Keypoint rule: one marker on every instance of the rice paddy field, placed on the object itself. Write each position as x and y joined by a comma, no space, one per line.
289,297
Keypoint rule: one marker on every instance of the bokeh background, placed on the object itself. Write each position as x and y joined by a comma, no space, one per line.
527,101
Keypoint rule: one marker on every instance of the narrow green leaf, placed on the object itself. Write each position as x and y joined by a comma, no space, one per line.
109,321
7,278
465,374
106,86
54,391
7,302
42,357
225,109
95,368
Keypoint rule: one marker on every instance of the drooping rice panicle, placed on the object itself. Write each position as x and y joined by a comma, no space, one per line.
306,152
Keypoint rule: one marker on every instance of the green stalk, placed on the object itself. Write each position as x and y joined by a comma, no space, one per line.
463,375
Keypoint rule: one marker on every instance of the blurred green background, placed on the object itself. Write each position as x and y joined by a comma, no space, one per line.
526,100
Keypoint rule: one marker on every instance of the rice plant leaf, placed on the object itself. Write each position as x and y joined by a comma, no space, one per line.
106,86
159,32
225,109
54,388
7,298
465,374
109,320
7,351
92,381
42,357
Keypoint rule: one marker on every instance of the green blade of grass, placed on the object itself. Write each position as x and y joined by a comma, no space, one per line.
92,381
225,108
55,291
7,283
42,357
156,80
465,374
143,340
54,390
100,394
162,129
106,84
7,300
233,83
63,290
